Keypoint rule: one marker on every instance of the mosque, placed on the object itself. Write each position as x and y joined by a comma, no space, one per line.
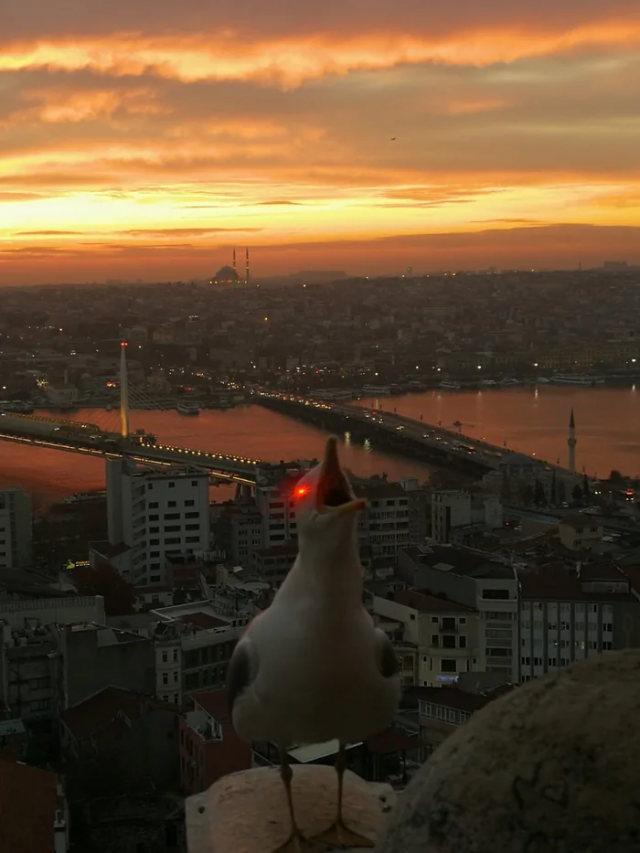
229,274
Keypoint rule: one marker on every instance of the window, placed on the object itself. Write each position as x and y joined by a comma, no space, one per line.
154,541
171,516
191,527
448,624
172,485
155,517
496,594
153,505
607,626
175,540
165,677
463,642
175,655
448,666
149,485
449,641
40,683
154,553
526,661
435,640
172,503
434,619
194,482
462,620
165,657
192,539
172,528
190,502
191,514
607,645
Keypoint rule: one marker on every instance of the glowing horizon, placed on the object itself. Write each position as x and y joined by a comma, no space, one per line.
337,136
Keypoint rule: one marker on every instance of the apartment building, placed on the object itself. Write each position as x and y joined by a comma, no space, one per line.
483,583
444,632
456,510
384,526
276,503
153,514
15,529
569,614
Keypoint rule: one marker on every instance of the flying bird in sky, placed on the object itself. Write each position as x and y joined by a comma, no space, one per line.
312,667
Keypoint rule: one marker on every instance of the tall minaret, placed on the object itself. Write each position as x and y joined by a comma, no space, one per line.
571,442
234,261
246,266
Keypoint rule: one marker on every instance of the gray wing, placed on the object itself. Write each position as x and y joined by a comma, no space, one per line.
387,658
241,671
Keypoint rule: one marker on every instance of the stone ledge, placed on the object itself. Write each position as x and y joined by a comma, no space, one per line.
247,812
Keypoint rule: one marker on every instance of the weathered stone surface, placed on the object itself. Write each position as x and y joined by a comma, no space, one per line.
553,767
247,812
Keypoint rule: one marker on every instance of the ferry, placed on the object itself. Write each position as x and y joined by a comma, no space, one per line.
376,391
507,381
188,409
450,386
489,383
84,497
576,379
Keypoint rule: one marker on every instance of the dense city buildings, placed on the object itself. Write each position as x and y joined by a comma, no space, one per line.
212,343
120,609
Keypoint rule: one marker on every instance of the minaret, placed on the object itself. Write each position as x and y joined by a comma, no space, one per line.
234,261
571,442
124,392
246,278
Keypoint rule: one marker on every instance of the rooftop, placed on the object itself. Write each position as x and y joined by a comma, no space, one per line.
104,713
424,602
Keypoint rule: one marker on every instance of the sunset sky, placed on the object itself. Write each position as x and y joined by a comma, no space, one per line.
144,139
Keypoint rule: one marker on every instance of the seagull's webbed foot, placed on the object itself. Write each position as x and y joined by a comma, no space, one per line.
339,835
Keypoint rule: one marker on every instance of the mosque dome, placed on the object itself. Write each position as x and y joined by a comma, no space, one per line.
226,275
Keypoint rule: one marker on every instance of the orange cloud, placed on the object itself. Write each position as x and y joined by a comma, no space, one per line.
226,55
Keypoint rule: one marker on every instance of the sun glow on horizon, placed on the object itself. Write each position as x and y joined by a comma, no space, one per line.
345,144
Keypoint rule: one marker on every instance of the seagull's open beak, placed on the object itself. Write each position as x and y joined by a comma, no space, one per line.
334,494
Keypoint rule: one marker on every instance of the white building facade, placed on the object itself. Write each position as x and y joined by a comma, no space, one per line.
156,513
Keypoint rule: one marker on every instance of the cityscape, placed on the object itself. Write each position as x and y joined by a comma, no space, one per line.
260,272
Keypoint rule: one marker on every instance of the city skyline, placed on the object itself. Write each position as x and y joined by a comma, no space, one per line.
340,137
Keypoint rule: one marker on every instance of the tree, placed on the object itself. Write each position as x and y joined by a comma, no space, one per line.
615,476
539,497
526,494
585,488
576,493
554,488
119,596
562,492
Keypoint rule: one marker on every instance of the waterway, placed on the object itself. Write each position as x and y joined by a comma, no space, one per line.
532,419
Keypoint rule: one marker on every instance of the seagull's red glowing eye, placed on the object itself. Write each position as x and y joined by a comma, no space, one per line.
301,491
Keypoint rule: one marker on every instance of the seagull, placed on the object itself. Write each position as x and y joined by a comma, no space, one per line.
312,667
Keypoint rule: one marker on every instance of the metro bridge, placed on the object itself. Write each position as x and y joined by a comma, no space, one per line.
93,440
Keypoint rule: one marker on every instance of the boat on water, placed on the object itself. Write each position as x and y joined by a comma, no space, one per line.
188,408
576,379
507,381
489,383
450,386
542,380
84,497
457,424
376,391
